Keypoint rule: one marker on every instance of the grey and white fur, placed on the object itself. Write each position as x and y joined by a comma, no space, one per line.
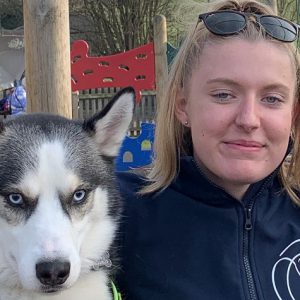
59,207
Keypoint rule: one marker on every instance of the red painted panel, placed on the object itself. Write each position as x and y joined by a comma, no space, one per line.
132,68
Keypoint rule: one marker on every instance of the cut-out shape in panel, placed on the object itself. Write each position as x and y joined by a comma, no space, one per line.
127,157
146,145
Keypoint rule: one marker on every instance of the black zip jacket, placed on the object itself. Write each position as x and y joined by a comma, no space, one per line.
195,241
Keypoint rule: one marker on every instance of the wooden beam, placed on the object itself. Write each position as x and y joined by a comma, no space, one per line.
47,56
161,62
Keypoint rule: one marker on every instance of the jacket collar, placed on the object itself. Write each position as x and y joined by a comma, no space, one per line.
193,183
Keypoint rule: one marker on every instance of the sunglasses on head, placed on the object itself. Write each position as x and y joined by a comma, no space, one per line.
230,22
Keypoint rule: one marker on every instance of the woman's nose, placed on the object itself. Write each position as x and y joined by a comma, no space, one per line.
247,116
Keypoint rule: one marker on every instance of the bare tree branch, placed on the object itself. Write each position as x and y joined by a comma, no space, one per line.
119,24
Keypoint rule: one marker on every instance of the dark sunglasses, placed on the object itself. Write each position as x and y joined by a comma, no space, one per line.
229,22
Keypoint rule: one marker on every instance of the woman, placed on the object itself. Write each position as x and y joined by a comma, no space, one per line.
218,215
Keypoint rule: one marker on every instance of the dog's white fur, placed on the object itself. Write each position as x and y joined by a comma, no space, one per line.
91,287
51,233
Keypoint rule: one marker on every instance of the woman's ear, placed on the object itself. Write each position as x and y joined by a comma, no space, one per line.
181,108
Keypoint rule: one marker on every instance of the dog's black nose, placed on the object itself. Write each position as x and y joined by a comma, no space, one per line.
53,272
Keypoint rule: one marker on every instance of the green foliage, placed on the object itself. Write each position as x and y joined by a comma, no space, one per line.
288,9
183,16
11,14
285,8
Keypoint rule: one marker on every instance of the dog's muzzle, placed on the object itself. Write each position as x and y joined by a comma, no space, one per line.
53,273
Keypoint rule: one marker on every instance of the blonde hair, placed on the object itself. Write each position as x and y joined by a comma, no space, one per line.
172,139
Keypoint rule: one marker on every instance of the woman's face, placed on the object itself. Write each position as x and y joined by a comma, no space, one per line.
239,106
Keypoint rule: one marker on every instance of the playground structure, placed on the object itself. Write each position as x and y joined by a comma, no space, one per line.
107,74
47,56
134,68
48,70
145,68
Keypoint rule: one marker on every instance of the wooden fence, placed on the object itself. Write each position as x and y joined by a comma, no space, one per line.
88,102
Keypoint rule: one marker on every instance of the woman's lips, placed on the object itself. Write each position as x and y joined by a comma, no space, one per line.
244,145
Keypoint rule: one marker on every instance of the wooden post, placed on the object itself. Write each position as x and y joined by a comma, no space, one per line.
75,104
160,50
47,56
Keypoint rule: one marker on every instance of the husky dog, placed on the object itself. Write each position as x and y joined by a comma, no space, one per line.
59,208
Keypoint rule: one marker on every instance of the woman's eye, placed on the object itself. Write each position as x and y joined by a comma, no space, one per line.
222,96
15,199
272,100
79,196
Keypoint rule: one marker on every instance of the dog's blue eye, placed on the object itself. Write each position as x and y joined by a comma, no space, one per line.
16,199
79,196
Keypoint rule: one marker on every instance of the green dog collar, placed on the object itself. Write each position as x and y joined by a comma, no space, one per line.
116,294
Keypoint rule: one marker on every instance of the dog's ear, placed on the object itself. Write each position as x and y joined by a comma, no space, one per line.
109,127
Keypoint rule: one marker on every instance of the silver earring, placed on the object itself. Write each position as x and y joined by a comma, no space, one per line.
186,123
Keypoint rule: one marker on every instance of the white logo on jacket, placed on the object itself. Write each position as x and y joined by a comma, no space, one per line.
289,262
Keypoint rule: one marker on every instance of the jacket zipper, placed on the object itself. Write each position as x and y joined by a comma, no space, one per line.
246,232
246,238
